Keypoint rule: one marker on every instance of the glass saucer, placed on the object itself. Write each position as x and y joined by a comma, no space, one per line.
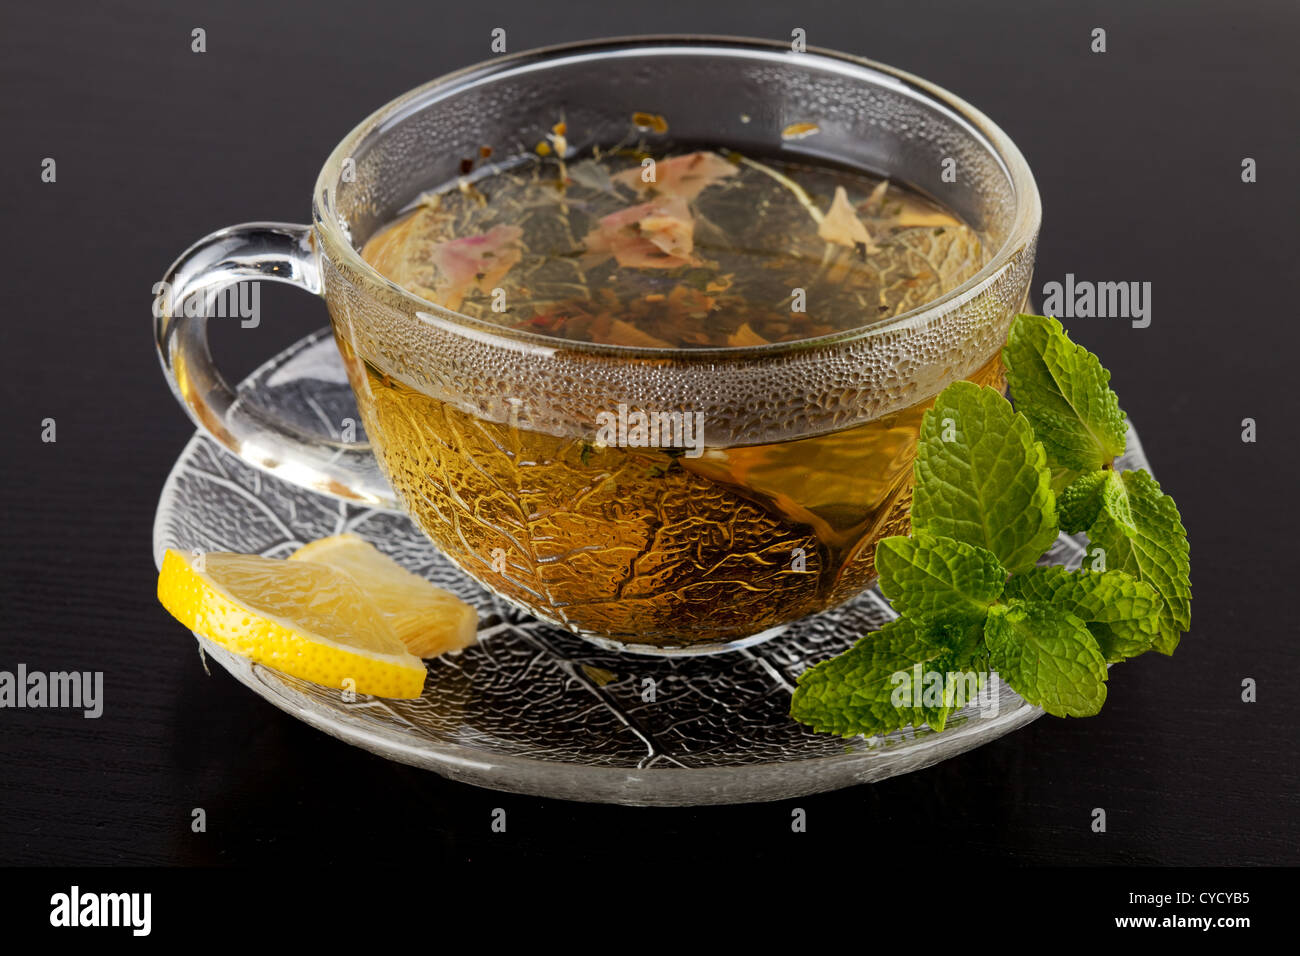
533,709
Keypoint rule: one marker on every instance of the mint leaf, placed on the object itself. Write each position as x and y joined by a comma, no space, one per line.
935,578
1064,392
1079,504
963,639
859,691
981,477
1121,612
1120,641
1047,656
1062,478
947,685
1142,533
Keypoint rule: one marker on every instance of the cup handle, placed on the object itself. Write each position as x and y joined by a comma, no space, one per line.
278,252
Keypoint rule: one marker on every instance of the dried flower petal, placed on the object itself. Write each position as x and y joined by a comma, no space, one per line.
684,177
624,333
915,214
475,262
842,224
652,235
877,197
745,336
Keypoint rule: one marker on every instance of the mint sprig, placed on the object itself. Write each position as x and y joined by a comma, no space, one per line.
993,485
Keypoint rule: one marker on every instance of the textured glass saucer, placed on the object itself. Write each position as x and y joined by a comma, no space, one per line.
533,709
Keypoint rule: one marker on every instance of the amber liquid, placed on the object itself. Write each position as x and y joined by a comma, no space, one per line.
649,545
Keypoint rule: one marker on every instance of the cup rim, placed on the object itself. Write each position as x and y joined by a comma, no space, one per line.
1024,227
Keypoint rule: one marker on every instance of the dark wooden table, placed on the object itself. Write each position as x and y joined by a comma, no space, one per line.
1138,154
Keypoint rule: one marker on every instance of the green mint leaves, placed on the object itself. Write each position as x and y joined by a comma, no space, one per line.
1064,392
993,485
982,478
1085,497
1047,656
1143,535
939,578
857,692
1122,612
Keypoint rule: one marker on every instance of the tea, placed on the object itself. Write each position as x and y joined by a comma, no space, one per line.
659,542
694,251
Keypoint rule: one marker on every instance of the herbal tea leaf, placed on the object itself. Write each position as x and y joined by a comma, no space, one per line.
855,692
1142,533
1122,612
1063,390
1078,505
981,477
1047,656
931,578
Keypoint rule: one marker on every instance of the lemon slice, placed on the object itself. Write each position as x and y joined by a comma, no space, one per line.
303,619
427,619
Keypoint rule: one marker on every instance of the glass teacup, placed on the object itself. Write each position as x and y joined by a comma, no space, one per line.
496,440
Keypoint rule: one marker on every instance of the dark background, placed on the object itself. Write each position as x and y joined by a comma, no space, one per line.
1138,155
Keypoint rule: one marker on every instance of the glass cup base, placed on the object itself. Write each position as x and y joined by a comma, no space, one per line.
680,650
